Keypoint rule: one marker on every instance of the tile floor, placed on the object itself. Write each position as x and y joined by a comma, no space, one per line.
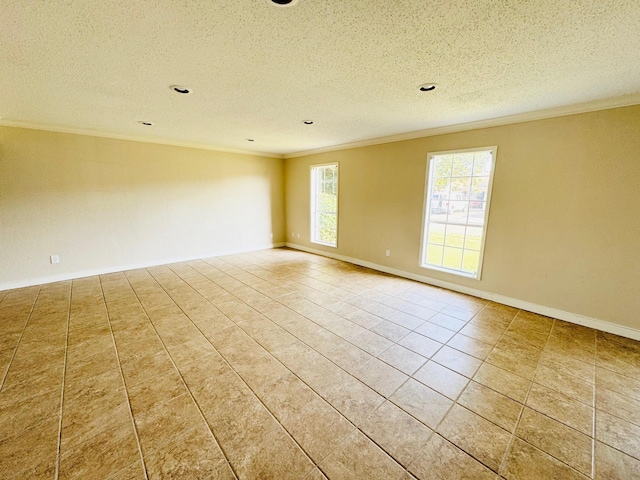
280,364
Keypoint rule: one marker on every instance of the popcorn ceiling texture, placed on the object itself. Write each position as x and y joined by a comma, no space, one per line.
351,66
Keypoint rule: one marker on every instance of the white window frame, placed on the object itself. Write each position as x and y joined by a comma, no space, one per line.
427,209
312,205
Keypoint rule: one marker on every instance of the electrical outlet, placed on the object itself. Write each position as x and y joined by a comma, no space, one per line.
54,259
271,236
293,235
298,235
388,253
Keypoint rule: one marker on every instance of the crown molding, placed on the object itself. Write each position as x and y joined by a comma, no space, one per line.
616,102
133,138
593,106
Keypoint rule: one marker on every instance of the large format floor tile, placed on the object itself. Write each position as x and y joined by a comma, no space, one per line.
280,364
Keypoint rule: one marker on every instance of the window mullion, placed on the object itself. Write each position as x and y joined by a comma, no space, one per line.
324,189
451,193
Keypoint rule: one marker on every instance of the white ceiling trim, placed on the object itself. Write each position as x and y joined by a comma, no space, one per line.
617,102
132,138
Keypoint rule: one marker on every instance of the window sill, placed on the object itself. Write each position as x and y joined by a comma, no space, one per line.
325,244
452,272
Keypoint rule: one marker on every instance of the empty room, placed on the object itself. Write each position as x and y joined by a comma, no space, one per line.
320,239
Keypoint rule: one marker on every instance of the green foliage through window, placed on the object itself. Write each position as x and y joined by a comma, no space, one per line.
324,204
456,210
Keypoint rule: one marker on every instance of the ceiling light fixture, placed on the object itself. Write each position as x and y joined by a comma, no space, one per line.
180,89
250,140
283,3
427,87
147,124
307,122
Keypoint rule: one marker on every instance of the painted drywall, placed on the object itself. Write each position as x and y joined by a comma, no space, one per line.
564,224
105,204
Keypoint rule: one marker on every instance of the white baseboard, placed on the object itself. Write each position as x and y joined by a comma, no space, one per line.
595,323
120,268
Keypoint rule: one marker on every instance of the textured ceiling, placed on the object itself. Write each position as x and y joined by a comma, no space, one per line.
352,66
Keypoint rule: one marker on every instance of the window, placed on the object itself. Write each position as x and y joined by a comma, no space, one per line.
324,204
456,210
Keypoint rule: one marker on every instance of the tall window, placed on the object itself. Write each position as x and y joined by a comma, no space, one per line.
324,204
457,209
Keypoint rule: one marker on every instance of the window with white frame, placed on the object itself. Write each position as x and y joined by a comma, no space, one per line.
324,204
457,209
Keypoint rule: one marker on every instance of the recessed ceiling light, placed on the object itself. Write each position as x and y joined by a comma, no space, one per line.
283,3
307,122
148,124
180,89
427,87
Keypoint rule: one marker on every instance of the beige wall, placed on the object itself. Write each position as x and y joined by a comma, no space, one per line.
102,204
564,225
563,232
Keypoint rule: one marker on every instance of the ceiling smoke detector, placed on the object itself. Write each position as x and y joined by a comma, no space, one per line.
283,3
180,89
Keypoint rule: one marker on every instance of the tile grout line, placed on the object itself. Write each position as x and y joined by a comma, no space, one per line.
397,310
429,359
64,375
293,334
524,402
231,366
320,326
355,294
294,311
215,439
593,386
15,350
115,348
69,335
455,402
524,406
289,370
537,366
326,329
315,350
608,413
386,398
394,342
488,302
595,392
